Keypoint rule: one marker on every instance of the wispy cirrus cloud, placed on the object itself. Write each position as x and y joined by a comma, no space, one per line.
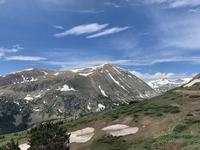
15,48
82,29
111,4
194,10
108,32
180,31
149,61
133,61
95,29
79,63
72,6
175,3
25,58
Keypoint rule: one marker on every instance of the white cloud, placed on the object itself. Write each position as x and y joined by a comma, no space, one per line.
112,4
108,32
184,3
149,60
194,10
83,63
137,61
160,75
82,29
25,58
179,30
176,29
175,3
14,49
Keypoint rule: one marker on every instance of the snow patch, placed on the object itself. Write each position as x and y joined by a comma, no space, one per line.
120,130
45,73
117,82
56,74
116,70
102,91
28,98
16,103
125,83
85,74
38,96
60,111
130,76
82,136
25,80
161,82
36,109
28,69
192,83
91,68
66,88
89,107
101,107
24,146
141,95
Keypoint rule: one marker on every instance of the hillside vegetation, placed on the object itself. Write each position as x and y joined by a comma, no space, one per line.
167,122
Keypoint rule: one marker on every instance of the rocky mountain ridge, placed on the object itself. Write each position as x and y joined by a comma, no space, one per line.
36,95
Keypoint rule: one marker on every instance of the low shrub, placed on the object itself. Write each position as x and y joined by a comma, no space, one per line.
180,127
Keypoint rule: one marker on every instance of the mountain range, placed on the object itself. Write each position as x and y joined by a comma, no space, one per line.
36,95
164,84
169,121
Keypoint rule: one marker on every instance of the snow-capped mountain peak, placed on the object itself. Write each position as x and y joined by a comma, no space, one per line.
164,84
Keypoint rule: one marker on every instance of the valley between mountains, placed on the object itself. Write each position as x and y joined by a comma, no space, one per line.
103,107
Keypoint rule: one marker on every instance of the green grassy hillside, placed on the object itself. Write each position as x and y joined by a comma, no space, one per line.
167,122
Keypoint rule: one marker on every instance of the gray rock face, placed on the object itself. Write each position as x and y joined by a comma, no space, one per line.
37,95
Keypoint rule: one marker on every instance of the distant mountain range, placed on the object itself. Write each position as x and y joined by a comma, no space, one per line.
163,85
35,95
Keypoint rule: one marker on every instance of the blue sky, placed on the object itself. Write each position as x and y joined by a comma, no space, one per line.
151,38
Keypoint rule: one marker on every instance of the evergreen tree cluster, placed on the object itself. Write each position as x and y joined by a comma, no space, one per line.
10,146
49,136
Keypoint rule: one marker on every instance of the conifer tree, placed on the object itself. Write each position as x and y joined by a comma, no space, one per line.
11,146
49,137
